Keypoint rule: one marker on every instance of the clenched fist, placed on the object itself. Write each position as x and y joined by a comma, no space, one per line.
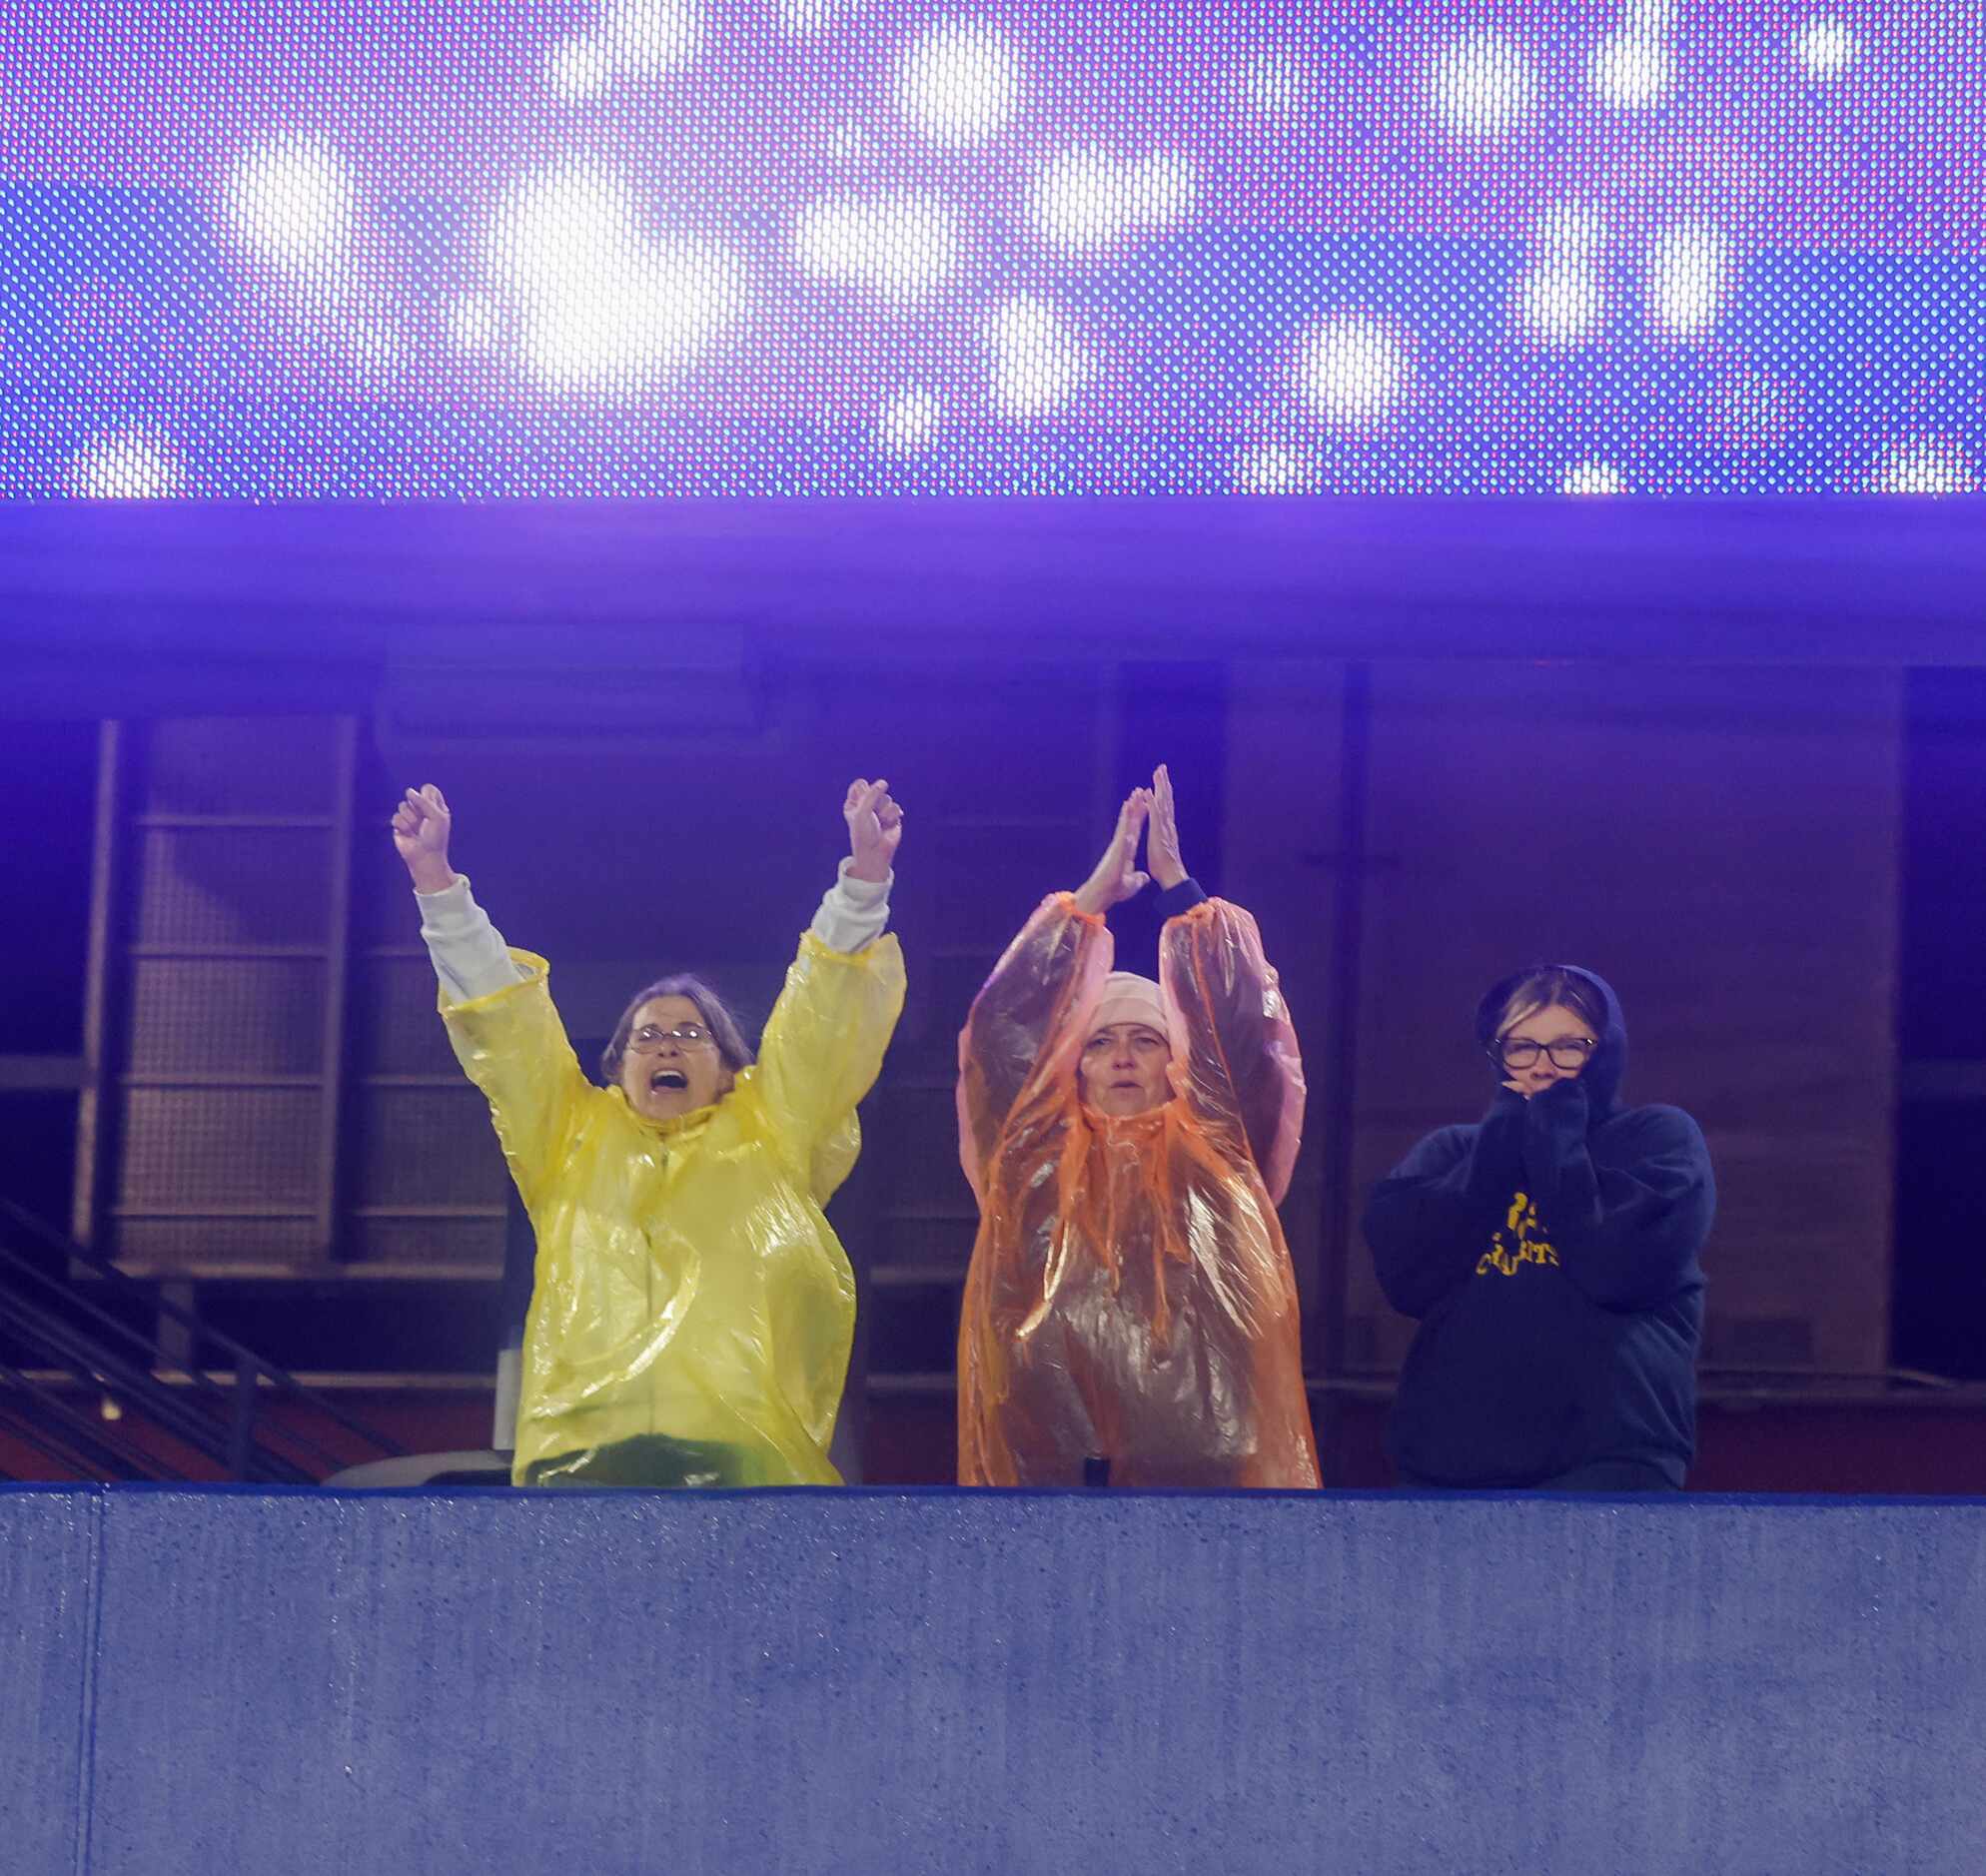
875,829
421,827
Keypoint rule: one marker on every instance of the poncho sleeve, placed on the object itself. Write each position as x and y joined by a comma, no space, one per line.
822,1050
1026,1022
514,1047
1234,1057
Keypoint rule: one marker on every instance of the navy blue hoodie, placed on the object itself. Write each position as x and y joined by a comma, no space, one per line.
1550,1253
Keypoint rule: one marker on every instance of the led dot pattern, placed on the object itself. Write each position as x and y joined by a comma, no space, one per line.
280,250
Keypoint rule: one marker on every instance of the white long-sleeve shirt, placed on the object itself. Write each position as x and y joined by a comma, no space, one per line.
472,960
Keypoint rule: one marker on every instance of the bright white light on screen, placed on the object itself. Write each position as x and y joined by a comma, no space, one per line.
1633,70
578,69
475,323
1571,229
1560,300
908,424
898,246
1272,81
646,319
1276,469
804,18
1352,369
1039,358
1592,478
849,144
959,84
129,465
603,308
550,228
375,347
1825,46
1087,200
1689,276
1561,303
292,200
652,37
1482,84
1925,466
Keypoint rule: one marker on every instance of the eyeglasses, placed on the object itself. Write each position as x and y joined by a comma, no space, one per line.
1572,1051
685,1035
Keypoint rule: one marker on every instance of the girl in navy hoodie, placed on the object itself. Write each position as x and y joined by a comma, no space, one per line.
1551,1255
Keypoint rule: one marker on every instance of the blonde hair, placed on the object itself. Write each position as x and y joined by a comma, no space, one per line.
1541,989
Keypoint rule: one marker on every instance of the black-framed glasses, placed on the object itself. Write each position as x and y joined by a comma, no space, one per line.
1569,1053
684,1035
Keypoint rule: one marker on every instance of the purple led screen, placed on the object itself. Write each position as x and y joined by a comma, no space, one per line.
267,249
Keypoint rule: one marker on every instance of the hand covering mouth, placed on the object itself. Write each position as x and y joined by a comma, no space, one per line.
672,1078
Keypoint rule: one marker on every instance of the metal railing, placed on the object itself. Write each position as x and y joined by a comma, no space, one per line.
158,1418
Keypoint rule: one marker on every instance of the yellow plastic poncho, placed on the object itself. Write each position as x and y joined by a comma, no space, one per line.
687,1283
1130,1295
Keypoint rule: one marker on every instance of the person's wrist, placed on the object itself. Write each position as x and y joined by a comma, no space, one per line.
872,871
432,873
1169,877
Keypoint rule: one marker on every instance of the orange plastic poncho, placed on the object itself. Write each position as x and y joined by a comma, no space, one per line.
1130,1295
687,1281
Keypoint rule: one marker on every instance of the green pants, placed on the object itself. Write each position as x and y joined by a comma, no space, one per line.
651,1460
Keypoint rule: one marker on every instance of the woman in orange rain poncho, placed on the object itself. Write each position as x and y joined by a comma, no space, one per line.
693,1309
1130,1300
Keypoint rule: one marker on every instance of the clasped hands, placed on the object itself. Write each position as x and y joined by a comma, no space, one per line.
1150,813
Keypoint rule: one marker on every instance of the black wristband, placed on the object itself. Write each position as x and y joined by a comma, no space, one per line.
1173,900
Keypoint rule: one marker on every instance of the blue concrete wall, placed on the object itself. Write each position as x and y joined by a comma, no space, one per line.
337,1685
48,1606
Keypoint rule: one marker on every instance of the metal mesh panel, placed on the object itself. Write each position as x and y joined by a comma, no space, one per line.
240,766
235,1016
395,1029
182,1244
425,1146
218,1146
471,1244
234,886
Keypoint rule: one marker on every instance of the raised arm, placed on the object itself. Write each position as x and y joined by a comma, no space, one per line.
1234,1057
1024,1018
1629,1224
824,1041
468,952
496,1002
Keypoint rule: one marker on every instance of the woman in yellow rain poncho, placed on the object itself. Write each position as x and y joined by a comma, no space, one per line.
693,1309
1130,1311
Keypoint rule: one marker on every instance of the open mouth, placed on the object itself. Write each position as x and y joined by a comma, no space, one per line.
671,1078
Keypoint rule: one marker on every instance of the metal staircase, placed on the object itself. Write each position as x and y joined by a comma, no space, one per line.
104,1378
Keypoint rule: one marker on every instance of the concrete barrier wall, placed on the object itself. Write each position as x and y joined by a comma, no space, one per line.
225,1681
